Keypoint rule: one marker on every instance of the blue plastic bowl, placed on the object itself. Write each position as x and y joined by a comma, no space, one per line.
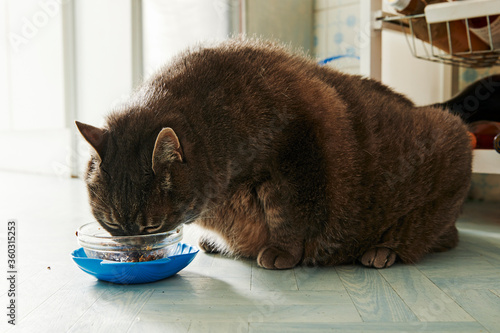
136,272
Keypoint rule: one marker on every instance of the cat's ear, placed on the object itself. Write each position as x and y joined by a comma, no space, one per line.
167,148
96,137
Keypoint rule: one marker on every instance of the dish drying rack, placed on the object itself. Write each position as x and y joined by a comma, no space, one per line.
373,20
444,13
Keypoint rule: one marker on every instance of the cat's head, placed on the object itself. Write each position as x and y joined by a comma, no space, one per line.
130,181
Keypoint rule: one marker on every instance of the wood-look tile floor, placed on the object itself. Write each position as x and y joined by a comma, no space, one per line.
456,291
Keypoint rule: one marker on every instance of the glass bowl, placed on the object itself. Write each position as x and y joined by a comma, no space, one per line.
100,244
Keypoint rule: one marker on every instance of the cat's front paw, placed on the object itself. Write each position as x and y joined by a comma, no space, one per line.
274,258
208,246
379,257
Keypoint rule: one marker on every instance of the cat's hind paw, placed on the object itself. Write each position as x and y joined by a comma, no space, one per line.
208,246
274,258
379,257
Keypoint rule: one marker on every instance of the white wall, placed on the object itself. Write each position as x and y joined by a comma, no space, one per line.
103,56
35,54
425,82
4,72
33,137
54,62
289,21
171,26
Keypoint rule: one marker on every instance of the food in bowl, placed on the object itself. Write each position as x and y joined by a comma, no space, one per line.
100,244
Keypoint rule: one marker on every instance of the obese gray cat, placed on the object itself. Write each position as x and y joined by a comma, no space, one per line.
289,162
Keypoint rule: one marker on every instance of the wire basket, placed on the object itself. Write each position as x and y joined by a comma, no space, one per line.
421,33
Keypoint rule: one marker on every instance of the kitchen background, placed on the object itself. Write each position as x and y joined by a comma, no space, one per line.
62,60
337,35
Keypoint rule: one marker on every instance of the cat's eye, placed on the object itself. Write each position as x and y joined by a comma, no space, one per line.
113,225
151,228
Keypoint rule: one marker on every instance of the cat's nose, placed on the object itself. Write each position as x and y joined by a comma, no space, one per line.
132,229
